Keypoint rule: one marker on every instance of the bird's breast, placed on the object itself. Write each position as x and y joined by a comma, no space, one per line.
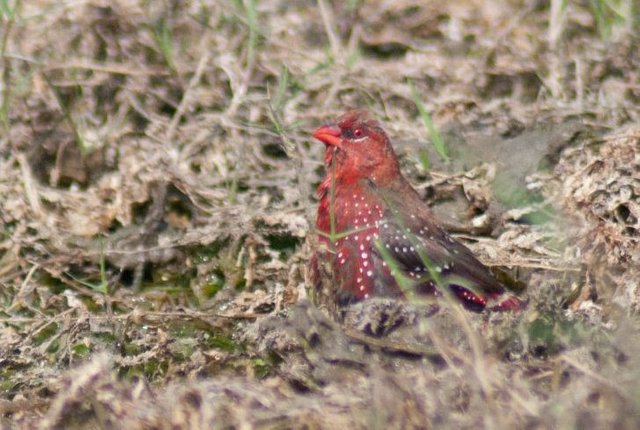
346,211
348,224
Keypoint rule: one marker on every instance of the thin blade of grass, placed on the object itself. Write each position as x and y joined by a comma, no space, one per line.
163,37
281,90
434,134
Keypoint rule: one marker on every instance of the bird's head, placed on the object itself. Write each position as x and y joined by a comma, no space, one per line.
359,147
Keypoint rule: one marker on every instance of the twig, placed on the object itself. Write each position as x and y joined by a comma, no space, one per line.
136,314
388,345
30,188
601,379
329,28
113,68
186,97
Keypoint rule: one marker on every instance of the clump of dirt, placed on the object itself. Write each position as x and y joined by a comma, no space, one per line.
428,367
601,189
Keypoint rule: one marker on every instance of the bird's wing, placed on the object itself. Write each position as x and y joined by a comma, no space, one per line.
421,248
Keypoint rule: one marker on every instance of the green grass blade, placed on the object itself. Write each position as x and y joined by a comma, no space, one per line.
281,90
434,134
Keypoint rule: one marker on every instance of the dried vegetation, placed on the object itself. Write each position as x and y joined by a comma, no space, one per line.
157,196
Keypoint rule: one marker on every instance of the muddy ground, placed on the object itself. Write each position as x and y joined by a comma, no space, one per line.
157,204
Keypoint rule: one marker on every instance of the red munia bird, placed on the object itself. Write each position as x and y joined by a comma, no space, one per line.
386,241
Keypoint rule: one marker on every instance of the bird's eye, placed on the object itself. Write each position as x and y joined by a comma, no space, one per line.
353,133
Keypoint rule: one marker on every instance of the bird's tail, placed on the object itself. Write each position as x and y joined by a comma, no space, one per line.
497,301
509,303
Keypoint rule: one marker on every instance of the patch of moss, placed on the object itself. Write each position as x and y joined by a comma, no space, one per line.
81,350
53,347
223,342
214,283
104,337
188,329
549,335
55,285
205,253
131,349
261,368
155,368
183,349
45,333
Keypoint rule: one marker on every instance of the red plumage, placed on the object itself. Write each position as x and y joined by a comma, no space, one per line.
381,238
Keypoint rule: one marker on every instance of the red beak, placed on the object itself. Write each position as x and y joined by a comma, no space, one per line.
329,135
